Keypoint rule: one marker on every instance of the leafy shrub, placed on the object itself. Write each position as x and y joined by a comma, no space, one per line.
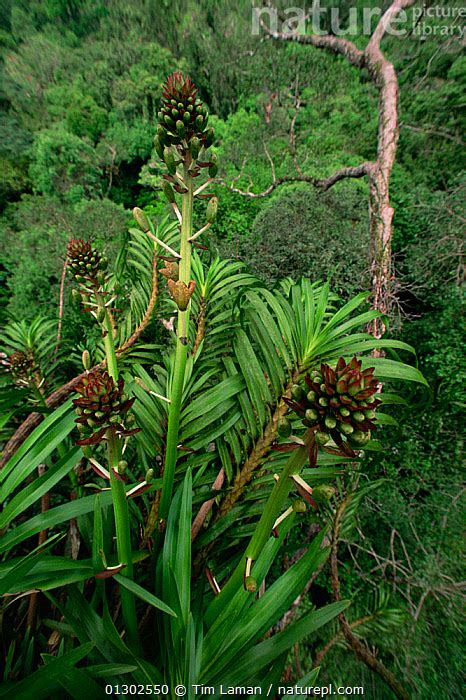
64,164
318,236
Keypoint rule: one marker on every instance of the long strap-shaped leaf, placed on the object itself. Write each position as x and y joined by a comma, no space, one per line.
44,681
37,448
263,613
249,666
35,490
56,516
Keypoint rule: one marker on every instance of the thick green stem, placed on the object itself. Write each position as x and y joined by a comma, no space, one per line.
173,430
120,503
277,498
186,229
109,345
176,393
38,394
123,538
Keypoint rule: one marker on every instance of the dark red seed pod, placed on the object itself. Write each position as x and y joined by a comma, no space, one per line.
340,403
102,406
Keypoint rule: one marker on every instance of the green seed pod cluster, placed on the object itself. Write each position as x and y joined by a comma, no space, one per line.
339,403
21,364
85,264
182,116
183,135
102,405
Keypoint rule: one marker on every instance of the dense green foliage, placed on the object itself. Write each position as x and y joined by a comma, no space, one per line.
80,86
299,233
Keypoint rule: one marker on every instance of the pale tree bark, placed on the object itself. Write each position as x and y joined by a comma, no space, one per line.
378,172
384,77
60,306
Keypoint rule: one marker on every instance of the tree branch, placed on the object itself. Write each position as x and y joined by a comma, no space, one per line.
206,507
384,77
353,625
200,326
60,306
361,650
323,184
329,42
292,137
436,132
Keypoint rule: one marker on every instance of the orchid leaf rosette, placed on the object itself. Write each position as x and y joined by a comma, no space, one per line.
338,404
